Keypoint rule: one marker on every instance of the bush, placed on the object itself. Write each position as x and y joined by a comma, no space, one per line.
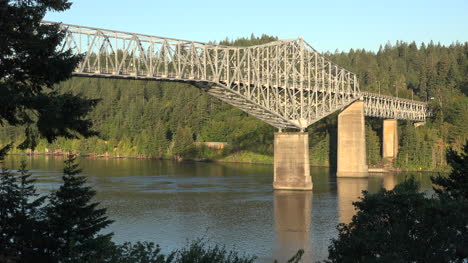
404,225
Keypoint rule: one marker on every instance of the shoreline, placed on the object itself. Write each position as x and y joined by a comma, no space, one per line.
374,170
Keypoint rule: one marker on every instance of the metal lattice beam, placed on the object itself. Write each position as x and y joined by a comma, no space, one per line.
381,106
285,83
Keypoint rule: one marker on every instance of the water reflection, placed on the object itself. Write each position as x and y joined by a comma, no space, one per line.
293,210
349,190
229,204
389,181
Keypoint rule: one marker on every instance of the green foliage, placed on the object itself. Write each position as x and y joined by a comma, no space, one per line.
374,155
140,252
417,148
183,142
199,252
404,225
142,121
296,258
74,221
246,157
4,150
30,66
455,185
252,41
21,224
68,228
323,141
432,73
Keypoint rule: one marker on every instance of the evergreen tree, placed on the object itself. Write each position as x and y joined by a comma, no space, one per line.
159,140
29,219
183,142
144,119
455,185
75,221
141,252
30,66
3,151
402,225
372,146
21,220
9,198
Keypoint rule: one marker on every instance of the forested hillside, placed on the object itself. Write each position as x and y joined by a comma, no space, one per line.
433,73
164,119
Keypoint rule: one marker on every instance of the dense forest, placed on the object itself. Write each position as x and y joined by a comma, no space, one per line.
152,119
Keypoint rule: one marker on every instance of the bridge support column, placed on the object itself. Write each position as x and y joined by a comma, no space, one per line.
352,161
390,139
291,161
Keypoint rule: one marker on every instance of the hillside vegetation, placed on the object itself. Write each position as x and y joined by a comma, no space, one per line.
163,120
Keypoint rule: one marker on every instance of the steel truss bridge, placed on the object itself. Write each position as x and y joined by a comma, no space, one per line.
285,83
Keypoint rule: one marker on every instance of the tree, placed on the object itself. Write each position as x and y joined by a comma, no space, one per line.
183,142
30,66
412,69
9,195
4,151
372,146
75,222
198,251
455,185
403,225
140,252
21,222
158,140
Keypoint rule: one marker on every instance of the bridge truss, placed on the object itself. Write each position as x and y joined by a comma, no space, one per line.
387,107
285,83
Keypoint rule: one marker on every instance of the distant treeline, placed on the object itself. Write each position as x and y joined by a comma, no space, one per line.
164,119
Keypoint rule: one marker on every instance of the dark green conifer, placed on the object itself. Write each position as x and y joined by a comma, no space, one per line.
75,221
183,142
30,66
406,225
455,185
21,220
9,198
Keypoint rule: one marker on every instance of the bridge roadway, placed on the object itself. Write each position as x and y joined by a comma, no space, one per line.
285,83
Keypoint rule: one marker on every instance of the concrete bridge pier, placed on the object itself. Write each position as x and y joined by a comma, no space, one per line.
390,139
352,160
291,161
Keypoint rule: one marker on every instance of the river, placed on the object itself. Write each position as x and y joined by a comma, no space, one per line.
171,203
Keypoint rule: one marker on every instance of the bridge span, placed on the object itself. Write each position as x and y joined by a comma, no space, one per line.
285,83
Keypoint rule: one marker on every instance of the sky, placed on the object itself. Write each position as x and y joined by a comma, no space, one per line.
327,25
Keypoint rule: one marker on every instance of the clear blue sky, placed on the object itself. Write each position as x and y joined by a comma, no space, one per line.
327,25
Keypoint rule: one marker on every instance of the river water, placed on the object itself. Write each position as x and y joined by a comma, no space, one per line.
171,203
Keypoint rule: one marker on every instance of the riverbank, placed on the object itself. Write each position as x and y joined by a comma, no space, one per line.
246,157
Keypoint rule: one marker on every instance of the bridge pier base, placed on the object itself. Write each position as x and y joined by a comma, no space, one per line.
291,161
352,160
390,139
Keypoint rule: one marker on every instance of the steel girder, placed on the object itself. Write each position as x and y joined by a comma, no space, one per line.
381,106
285,83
